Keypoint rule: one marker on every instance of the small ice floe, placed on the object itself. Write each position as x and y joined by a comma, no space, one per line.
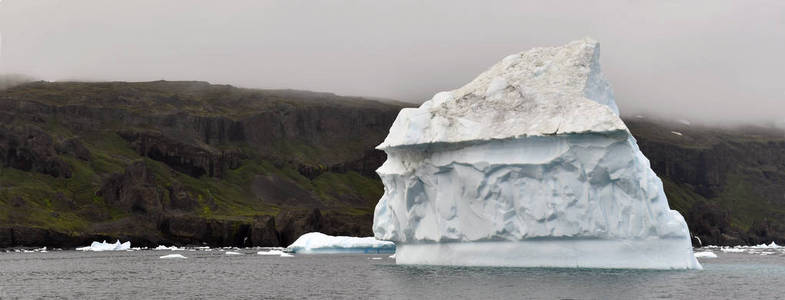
270,253
274,252
170,256
172,248
732,249
705,254
391,256
39,250
677,133
104,246
376,258
232,253
316,242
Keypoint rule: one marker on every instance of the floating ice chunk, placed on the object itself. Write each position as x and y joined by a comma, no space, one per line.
316,242
391,256
773,245
38,250
270,252
705,254
232,253
169,256
172,248
104,246
732,249
284,254
528,164
375,258
677,133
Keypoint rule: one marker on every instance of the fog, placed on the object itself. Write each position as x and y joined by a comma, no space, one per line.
702,60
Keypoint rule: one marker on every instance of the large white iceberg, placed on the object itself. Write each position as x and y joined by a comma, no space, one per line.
527,165
316,242
104,246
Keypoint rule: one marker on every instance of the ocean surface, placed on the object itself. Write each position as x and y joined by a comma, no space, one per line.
215,275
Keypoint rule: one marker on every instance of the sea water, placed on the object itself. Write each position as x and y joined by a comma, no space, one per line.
203,274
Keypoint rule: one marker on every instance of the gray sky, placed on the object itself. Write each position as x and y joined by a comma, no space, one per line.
713,60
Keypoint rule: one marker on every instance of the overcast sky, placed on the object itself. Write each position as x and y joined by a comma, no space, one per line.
713,59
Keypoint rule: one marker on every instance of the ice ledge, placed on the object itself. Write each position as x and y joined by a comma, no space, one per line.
655,253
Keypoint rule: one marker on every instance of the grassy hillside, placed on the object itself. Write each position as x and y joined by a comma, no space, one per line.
210,151
190,162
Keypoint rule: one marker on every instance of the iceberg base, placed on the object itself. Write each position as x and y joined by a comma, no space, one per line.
659,253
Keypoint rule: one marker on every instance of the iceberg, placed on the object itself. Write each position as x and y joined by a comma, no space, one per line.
232,253
773,245
104,246
320,243
527,165
170,256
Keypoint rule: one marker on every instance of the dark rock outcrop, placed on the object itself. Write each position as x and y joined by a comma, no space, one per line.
197,231
73,147
17,236
31,149
134,191
180,199
192,160
263,232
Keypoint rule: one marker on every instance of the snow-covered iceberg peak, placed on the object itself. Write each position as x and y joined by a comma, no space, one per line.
527,165
543,91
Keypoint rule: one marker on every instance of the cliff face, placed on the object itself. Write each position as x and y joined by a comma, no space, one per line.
193,163
185,162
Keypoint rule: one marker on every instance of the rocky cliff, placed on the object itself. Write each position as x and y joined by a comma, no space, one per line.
185,163
195,163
